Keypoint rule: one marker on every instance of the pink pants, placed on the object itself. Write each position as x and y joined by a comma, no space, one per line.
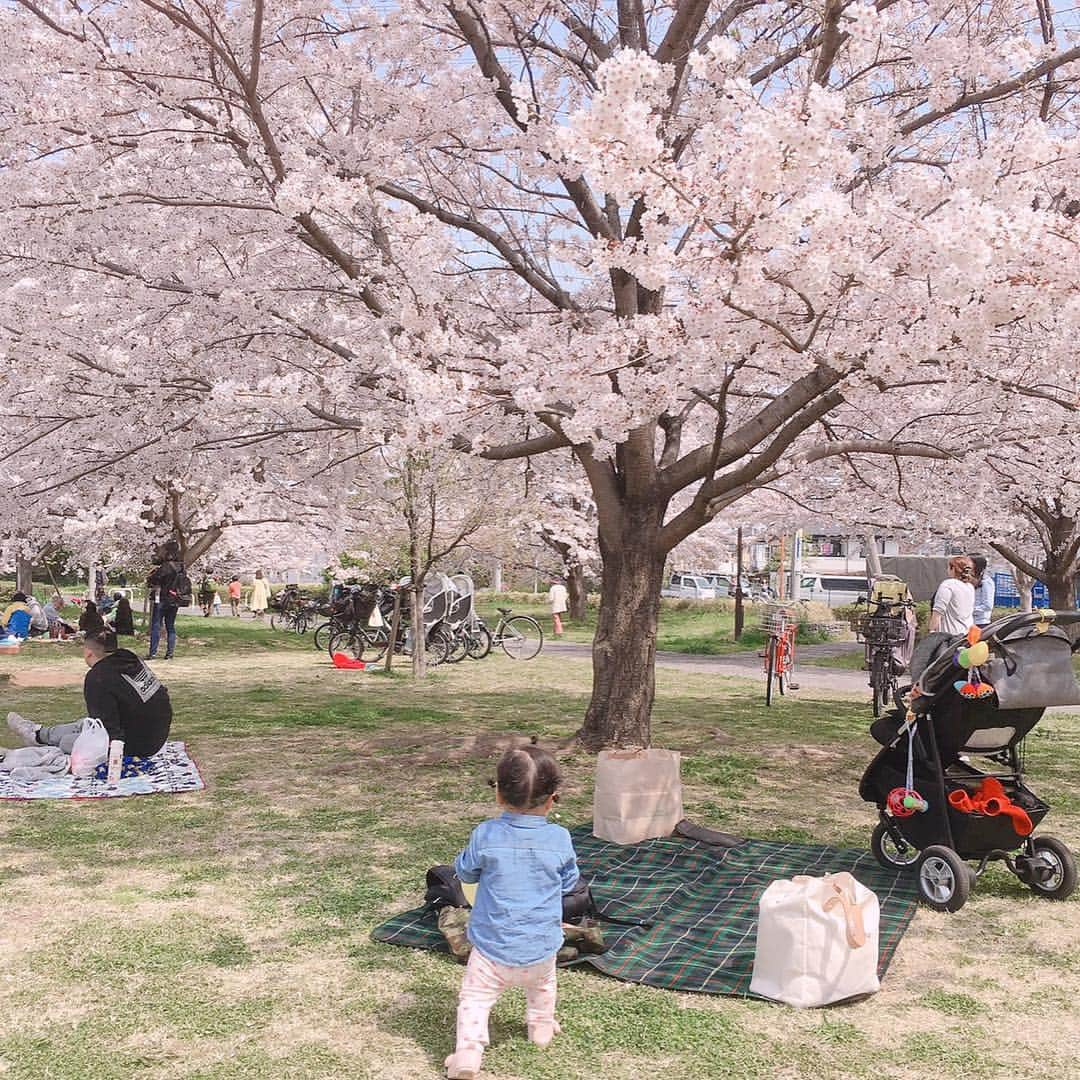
482,986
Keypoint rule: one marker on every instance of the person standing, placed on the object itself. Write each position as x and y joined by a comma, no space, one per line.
234,596
166,584
260,595
557,596
984,592
206,596
954,601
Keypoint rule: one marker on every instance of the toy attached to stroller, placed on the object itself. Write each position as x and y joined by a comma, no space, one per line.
974,697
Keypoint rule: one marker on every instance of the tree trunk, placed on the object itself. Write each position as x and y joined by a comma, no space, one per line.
24,575
624,649
1061,592
577,598
1024,583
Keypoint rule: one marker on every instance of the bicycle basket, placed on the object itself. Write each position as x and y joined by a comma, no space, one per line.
776,618
881,629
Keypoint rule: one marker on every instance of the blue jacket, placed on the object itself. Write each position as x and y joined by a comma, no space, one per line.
522,865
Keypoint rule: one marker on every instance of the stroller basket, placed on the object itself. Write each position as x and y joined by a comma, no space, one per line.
880,629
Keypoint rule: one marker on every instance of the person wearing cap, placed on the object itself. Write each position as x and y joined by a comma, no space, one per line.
121,692
18,603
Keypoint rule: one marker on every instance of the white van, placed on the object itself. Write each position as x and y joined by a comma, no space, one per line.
689,587
832,589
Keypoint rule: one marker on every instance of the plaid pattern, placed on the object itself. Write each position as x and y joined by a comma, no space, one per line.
699,904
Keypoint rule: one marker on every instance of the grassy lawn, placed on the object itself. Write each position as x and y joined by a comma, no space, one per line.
226,933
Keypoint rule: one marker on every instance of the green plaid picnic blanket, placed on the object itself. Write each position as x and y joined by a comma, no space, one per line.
697,906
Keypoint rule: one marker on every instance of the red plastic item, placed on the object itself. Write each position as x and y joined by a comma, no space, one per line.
992,800
903,802
343,661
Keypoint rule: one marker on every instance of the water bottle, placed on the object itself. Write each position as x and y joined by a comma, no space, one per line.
116,761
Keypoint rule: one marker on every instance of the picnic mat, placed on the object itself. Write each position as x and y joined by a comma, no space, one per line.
169,771
699,904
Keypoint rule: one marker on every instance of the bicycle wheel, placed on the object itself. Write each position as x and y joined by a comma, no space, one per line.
275,620
325,631
300,622
438,646
878,681
360,644
479,642
459,646
770,668
522,637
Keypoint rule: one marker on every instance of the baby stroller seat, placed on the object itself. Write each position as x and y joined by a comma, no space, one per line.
936,809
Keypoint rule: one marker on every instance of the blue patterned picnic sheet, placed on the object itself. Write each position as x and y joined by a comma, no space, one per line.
169,771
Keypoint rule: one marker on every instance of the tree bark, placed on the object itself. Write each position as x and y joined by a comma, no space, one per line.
1024,583
624,649
577,597
24,575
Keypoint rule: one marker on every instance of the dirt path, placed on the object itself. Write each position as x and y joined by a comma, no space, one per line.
748,665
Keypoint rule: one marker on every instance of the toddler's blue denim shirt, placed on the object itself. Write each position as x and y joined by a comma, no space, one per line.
522,864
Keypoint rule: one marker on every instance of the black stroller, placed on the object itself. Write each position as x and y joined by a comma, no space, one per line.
937,809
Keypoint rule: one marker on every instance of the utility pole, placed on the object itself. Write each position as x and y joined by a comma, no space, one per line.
781,574
796,565
738,585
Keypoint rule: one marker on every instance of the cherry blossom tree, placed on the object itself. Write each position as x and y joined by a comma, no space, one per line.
702,247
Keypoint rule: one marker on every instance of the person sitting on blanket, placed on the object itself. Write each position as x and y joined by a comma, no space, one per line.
522,865
121,692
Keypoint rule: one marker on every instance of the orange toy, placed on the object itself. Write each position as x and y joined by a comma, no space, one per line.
991,800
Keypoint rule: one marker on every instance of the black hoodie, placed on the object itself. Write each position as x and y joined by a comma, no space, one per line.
127,697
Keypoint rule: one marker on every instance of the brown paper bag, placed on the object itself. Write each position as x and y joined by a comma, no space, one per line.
638,795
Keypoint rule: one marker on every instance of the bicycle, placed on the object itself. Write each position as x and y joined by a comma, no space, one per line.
520,636
782,627
881,630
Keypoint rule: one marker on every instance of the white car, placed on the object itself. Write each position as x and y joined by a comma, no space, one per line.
689,587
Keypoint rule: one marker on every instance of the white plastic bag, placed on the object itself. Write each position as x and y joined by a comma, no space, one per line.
638,795
817,941
91,747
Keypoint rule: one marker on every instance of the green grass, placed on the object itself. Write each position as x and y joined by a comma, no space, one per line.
701,628
226,934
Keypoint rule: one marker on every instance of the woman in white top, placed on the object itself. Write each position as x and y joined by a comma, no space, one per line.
558,598
954,601
984,592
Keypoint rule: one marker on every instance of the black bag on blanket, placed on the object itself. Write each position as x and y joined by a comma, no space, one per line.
444,890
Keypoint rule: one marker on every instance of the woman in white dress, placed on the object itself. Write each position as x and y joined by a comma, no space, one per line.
557,597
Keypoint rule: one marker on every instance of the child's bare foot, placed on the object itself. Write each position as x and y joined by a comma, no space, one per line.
542,1034
463,1065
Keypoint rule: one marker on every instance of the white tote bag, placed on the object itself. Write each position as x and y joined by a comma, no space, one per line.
638,795
91,747
817,941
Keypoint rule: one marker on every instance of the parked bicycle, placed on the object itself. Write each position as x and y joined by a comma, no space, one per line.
781,623
881,628
520,636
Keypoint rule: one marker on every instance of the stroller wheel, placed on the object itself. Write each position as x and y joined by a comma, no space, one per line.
887,852
1052,869
944,878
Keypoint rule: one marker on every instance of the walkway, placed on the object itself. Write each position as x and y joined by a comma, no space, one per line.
748,665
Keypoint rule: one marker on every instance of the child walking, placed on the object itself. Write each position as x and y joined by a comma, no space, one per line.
522,865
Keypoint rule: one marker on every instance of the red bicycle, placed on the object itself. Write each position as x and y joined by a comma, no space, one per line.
781,624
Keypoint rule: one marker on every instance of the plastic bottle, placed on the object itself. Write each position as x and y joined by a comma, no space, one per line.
116,761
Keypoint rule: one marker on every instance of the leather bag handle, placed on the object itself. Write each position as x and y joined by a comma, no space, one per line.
853,915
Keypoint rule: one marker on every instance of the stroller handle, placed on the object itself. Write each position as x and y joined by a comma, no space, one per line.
1002,627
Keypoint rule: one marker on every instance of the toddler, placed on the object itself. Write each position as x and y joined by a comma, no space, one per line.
522,865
